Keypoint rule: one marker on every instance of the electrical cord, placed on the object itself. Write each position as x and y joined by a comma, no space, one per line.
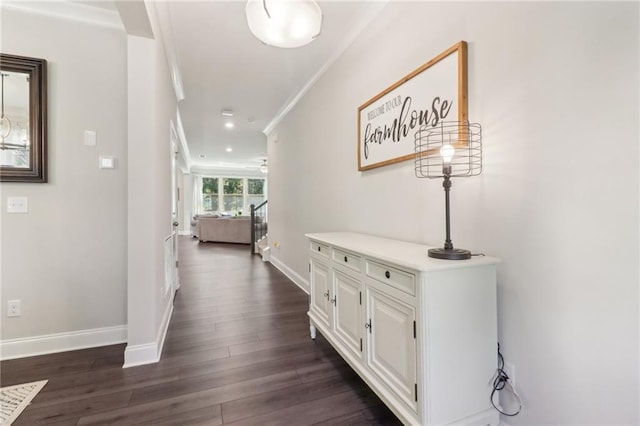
500,382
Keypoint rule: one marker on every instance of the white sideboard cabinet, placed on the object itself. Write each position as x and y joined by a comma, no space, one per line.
421,332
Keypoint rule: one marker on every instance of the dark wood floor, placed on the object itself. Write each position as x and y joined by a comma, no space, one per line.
237,352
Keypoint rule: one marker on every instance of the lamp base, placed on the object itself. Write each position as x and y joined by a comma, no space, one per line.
449,254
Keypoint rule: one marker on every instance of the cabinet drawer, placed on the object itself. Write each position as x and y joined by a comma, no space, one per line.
396,278
320,248
347,259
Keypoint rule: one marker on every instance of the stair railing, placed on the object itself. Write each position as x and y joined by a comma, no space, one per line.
258,224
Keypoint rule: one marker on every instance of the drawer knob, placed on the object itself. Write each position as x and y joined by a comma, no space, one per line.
318,248
345,259
387,274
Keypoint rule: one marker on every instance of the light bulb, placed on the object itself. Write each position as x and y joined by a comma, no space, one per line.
447,152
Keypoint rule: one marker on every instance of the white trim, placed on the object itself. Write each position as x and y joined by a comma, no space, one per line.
184,147
163,18
140,355
346,42
149,353
290,273
62,342
237,170
70,11
184,233
164,327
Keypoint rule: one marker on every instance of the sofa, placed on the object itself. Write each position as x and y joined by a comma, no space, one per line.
228,229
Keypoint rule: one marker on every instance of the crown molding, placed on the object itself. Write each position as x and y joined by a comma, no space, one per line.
165,25
238,171
346,42
184,146
69,10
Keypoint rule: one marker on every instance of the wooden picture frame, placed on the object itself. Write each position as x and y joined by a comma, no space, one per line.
432,93
34,73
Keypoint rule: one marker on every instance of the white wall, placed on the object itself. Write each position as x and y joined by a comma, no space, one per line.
66,259
152,105
555,86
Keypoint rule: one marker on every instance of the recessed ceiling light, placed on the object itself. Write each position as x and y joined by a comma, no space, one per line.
227,113
229,125
229,149
203,156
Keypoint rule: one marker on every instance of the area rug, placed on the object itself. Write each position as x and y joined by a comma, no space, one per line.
14,399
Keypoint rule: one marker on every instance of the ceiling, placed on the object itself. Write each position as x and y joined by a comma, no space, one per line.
224,67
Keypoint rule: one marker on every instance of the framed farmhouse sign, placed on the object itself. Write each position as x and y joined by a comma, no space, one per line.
434,92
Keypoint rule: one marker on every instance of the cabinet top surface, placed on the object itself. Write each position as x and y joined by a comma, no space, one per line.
410,255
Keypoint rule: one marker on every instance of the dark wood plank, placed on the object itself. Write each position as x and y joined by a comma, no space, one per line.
173,405
208,416
237,351
280,399
35,415
311,412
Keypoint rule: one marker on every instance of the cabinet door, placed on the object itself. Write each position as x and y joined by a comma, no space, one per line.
348,312
320,281
391,348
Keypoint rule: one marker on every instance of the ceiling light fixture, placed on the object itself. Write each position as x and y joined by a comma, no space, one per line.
284,23
264,168
227,113
229,125
229,149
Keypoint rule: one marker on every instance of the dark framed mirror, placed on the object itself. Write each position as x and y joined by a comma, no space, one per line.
23,121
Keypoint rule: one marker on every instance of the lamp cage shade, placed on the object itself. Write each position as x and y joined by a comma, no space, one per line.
464,137
284,23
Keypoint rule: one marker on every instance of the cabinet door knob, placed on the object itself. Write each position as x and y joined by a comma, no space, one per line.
387,274
318,248
346,259
333,300
326,294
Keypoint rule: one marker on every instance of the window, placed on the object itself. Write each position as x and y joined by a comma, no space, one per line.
231,195
233,191
255,191
210,202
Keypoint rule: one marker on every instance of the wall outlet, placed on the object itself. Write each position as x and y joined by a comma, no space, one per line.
510,369
14,308
17,205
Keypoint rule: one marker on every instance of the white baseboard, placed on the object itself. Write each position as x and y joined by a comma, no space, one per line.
62,342
135,355
290,273
149,353
164,327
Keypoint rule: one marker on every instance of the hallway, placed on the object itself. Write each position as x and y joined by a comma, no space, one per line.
237,352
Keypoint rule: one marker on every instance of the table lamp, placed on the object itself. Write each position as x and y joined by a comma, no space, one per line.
449,149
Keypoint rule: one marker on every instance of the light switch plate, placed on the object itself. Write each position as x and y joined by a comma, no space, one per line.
89,137
17,205
107,162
